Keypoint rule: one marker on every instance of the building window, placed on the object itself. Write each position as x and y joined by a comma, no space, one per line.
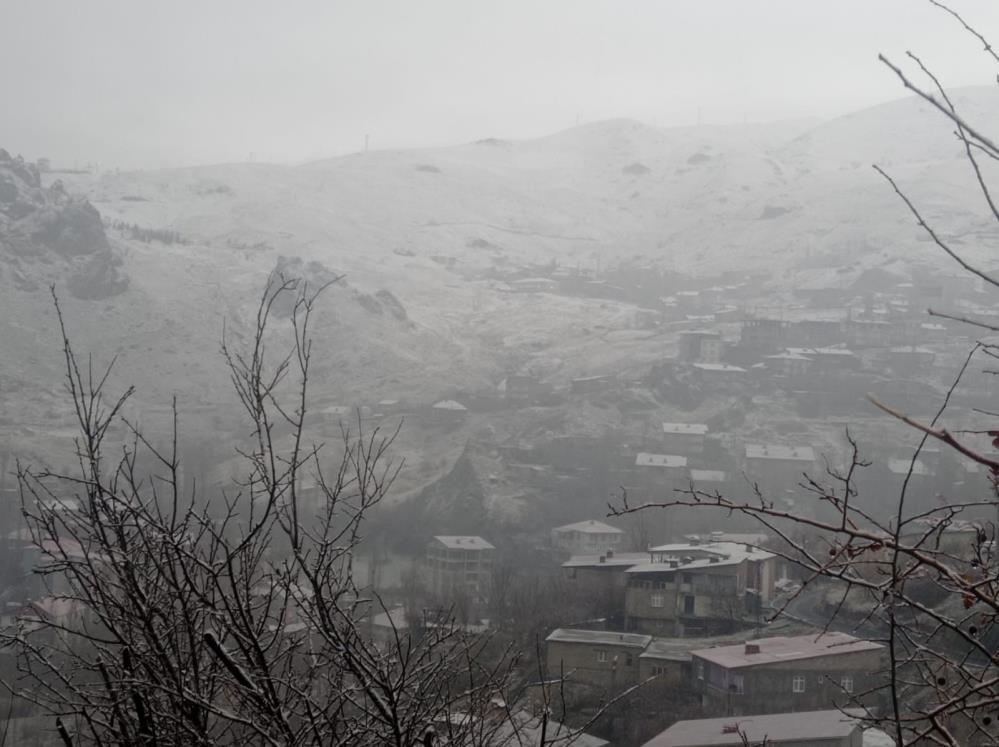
658,670
700,670
602,656
846,682
656,600
798,684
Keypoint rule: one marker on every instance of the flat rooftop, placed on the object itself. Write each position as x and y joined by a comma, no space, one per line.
453,542
644,459
707,475
775,728
784,648
592,526
742,551
599,638
618,559
685,429
780,451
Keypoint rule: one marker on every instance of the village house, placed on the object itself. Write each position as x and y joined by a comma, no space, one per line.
797,673
590,537
657,475
830,728
719,374
763,335
602,577
789,364
684,438
711,481
459,565
699,345
778,468
698,588
602,659
449,411
668,660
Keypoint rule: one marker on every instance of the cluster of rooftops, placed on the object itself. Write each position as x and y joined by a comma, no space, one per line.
663,558
750,653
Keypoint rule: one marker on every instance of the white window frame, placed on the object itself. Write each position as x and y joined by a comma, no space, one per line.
602,657
846,682
700,669
657,600
798,683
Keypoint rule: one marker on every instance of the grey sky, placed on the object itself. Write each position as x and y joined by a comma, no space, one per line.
151,83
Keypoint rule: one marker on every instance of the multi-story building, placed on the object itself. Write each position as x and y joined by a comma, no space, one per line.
684,438
590,537
597,658
459,565
798,673
685,588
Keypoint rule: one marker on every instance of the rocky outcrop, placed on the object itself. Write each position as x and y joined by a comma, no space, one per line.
48,236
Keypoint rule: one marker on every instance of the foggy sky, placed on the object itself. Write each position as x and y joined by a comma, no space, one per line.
143,84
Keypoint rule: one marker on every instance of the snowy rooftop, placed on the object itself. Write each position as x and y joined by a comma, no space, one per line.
449,404
719,367
785,648
901,467
776,728
589,527
644,459
614,560
685,429
707,475
599,637
463,543
780,451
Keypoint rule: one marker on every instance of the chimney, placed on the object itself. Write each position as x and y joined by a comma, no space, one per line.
713,559
603,558
610,553
752,648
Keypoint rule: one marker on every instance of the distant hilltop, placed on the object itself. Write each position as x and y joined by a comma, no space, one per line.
48,235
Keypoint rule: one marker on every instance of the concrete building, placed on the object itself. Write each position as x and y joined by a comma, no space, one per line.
763,335
656,475
684,438
459,565
590,537
778,468
688,588
597,658
699,345
798,673
830,728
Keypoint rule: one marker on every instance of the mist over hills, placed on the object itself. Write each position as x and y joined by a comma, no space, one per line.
429,240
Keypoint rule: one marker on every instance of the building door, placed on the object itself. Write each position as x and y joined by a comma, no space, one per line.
688,605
